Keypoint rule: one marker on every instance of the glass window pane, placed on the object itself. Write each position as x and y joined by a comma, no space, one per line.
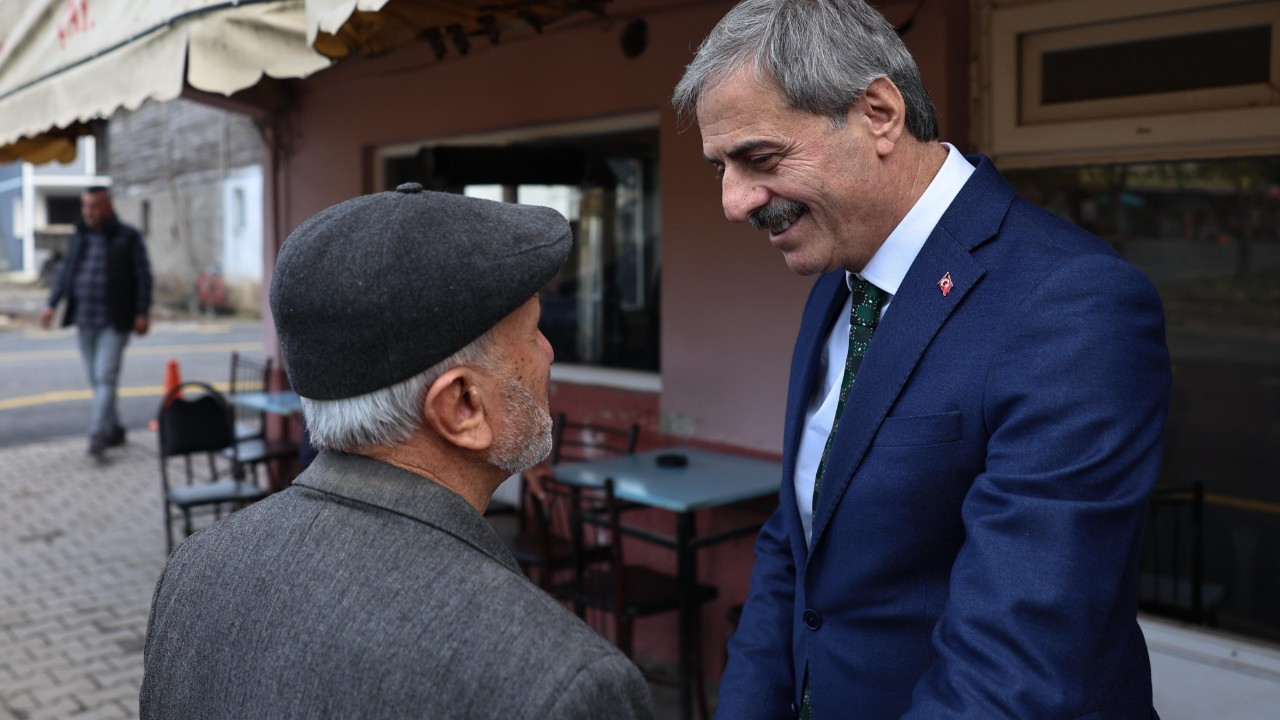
602,307
484,192
1207,233
1222,58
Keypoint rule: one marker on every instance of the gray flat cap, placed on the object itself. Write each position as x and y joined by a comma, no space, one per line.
377,289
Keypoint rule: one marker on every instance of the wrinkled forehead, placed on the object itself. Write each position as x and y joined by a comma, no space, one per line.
742,103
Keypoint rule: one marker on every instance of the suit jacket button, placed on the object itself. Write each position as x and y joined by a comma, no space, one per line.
812,619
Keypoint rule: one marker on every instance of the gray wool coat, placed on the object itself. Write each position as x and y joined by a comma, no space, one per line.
367,591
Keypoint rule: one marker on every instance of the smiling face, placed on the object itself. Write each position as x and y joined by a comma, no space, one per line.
818,190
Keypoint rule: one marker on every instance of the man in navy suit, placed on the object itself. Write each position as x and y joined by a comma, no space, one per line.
970,550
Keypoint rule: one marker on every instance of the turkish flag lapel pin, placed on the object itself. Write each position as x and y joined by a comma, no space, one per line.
946,284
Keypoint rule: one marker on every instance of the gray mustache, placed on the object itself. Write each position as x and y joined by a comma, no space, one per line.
776,212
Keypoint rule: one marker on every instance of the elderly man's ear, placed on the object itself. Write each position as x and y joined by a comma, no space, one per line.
459,410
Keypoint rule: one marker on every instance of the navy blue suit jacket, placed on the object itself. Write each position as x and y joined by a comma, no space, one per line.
975,546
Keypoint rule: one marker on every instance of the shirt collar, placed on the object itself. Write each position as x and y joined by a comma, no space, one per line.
889,265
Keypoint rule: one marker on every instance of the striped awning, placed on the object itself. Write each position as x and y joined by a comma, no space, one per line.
66,63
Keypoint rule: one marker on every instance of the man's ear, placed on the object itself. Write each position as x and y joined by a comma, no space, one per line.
883,111
456,409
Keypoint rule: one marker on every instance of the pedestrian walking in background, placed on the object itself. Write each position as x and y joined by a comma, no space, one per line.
106,281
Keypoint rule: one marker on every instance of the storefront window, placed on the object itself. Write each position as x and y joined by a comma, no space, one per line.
1207,233
601,309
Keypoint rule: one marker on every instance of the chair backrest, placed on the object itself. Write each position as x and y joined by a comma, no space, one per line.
590,518
1171,569
191,424
248,375
577,441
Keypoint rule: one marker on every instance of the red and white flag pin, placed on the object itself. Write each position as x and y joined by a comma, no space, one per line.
946,284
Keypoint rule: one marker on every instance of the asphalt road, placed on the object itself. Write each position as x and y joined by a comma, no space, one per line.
44,392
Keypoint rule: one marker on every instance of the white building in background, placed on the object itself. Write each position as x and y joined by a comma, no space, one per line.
242,226
189,176
39,205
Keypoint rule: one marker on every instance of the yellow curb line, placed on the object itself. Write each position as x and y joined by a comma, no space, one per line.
58,396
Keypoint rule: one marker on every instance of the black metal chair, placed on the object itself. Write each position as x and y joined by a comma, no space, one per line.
603,580
543,544
578,441
1171,575
252,447
192,425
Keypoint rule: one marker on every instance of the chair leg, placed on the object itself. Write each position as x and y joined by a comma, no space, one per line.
699,686
168,528
186,522
622,623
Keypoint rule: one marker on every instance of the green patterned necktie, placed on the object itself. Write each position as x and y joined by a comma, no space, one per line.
867,299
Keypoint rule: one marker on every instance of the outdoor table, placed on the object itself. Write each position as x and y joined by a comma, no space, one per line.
709,479
284,403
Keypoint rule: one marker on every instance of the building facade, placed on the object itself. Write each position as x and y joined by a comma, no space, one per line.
189,176
39,205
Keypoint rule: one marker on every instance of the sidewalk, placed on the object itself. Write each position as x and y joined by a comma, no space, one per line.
81,546
20,301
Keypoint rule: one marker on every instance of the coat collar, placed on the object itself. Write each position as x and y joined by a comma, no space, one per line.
371,482
917,312
109,228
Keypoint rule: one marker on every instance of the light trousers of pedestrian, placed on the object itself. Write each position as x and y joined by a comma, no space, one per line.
102,350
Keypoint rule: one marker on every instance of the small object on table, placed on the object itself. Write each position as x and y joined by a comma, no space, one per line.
672,460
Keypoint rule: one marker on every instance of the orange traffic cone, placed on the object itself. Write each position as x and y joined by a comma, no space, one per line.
172,379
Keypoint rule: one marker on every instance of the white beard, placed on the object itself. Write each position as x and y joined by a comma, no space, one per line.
527,437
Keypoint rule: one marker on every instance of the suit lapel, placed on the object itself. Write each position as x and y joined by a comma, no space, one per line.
914,317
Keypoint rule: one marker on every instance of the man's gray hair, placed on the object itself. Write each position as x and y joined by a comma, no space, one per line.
822,54
391,415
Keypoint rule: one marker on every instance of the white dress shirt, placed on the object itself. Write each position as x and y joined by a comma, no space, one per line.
885,270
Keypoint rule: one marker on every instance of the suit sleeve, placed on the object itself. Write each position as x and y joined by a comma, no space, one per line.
758,682
1075,408
611,687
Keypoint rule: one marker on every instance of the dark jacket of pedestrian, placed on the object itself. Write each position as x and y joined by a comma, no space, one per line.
126,274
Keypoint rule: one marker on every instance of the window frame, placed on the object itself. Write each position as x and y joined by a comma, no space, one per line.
572,373
1185,124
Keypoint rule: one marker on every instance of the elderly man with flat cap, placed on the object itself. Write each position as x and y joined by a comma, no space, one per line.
372,587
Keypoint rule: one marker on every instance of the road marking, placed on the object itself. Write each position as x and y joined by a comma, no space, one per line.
74,353
57,396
